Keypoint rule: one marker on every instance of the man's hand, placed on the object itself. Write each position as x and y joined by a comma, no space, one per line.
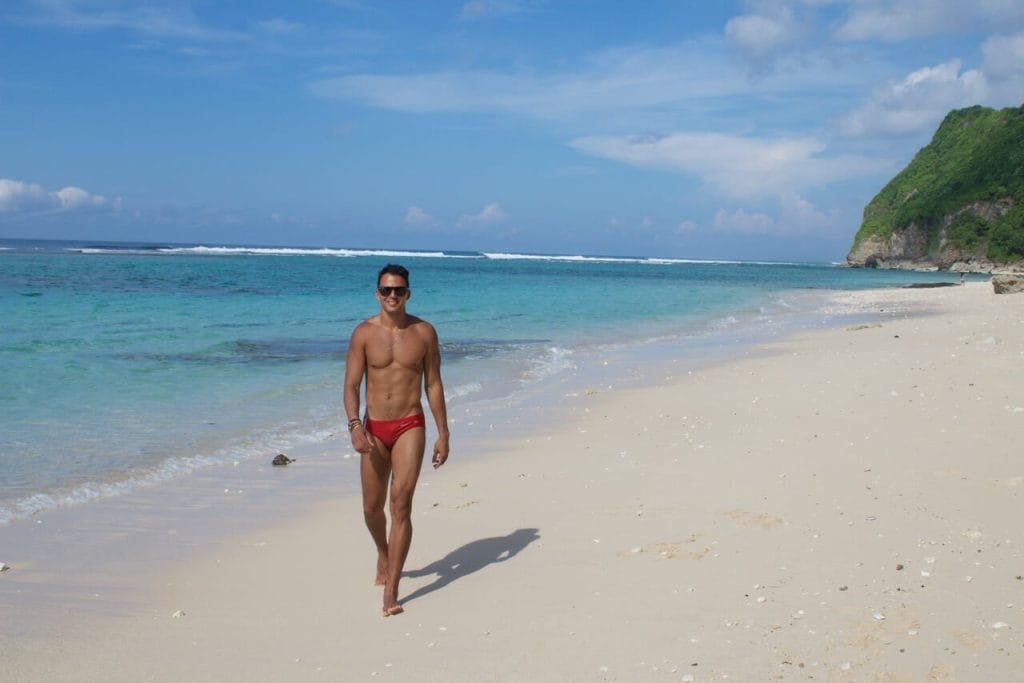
361,440
440,451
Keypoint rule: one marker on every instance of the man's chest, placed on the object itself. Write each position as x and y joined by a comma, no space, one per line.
404,349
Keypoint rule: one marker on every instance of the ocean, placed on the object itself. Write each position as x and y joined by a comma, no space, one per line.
127,367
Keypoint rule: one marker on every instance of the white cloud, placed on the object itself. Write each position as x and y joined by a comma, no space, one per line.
155,20
889,20
414,215
1004,67
797,216
743,222
919,101
896,20
20,197
492,213
760,38
800,216
610,80
77,199
734,165
1004,55
16,196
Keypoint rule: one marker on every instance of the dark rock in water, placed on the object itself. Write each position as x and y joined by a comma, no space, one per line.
927,285
281,460
1007,284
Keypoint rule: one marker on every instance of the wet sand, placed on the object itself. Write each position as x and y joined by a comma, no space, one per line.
842,505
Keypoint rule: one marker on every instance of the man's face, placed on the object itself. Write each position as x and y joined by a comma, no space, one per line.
392,292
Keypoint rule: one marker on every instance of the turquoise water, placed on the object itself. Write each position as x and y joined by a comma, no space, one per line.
125,366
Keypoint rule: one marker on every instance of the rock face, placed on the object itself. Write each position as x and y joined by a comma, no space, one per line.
958,205
1007,284
913,248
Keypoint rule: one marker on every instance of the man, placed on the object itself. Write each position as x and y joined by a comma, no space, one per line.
398,353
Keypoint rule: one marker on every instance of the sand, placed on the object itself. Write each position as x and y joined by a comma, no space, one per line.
841,505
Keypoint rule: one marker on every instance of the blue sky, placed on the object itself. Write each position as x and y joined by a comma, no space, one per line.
747,130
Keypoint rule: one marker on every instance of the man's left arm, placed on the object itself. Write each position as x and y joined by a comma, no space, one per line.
434,388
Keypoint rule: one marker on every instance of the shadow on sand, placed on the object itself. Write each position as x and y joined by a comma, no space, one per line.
470,558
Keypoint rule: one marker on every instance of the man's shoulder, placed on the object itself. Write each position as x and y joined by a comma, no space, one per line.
366,326
421,325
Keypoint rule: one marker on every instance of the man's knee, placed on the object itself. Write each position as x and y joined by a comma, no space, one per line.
372,507
401,504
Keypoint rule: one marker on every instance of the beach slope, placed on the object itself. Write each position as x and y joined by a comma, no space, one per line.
843,505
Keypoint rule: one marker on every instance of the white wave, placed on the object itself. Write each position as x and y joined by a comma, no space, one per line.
397,253
299,251
83,493
699,262
261,442
652,260
501,256
780,301
463,390
557,360
101,250
726,262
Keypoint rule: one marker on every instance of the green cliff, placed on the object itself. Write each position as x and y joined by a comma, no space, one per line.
958,205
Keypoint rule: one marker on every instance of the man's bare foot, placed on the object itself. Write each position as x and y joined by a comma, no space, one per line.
382,571
393,610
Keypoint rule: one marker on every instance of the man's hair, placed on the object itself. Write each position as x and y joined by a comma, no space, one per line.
393,269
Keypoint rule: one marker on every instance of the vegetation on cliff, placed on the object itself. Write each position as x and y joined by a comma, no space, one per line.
974,162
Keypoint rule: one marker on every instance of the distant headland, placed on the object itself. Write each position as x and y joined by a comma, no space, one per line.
958,205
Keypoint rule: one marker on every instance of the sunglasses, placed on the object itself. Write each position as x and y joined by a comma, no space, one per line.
397,291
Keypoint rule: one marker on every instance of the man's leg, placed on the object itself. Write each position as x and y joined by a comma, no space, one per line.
374,468
406,460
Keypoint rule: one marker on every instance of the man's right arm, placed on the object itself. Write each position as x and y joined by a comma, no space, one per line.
355,368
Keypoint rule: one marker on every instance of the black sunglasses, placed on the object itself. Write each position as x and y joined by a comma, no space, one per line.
398,291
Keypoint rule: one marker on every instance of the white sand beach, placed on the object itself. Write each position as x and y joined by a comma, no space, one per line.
842,505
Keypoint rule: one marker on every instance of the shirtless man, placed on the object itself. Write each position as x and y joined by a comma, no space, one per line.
398,354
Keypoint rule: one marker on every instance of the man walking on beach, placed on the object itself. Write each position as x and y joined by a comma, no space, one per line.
398,353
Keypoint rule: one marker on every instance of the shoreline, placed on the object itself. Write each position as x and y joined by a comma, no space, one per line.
312,426
536,403
771,516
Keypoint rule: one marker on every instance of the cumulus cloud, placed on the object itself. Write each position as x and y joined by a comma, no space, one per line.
761,38
734,165
414,215
1003,65
1004,55
743,222
920,100
917,101
17,196
492,213
796,216
801,216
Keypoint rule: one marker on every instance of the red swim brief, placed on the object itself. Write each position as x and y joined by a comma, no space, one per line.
388,431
